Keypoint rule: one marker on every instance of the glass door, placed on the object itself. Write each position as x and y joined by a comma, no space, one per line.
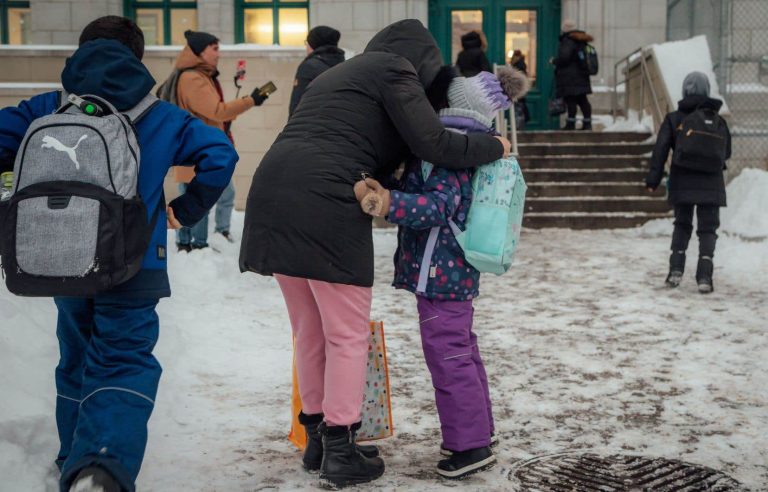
462,22
523,32
520,41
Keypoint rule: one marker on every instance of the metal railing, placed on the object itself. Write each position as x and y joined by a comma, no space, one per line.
645,79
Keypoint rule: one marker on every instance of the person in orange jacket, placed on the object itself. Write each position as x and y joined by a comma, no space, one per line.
198,91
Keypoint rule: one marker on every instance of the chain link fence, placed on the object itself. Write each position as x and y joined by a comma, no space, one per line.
737,33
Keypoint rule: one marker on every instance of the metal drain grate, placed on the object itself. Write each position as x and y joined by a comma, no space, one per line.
617,473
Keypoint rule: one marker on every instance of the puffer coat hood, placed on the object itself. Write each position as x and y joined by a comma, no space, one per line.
411,40
108,69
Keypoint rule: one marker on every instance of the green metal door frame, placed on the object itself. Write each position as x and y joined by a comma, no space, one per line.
131,6
273,5
548,14
5,26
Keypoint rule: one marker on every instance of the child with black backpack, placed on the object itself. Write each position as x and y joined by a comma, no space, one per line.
86,224
701,144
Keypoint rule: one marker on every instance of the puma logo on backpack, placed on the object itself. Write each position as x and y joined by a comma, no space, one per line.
51,143
75,224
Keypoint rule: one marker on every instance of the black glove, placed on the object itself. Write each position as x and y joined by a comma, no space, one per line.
258,99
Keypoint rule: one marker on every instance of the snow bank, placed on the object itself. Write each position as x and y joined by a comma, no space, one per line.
745,216
747,212
677,59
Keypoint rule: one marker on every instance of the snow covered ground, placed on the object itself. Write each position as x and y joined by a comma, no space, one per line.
585,349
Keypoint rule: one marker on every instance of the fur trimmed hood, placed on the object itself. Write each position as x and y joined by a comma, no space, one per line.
580,36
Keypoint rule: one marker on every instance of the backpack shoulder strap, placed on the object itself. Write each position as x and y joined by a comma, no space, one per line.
136,113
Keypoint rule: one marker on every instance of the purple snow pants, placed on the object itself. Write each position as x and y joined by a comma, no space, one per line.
458,375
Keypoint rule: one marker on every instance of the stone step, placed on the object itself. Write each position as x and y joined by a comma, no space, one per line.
594,220
536,176
626,162
596,204
584,149
600,189
557,136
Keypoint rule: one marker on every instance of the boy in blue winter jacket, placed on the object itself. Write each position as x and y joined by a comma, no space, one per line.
430,263
107,377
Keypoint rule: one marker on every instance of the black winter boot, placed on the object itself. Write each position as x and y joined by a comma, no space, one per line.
94,479
586,124
570,124
343,464
704,271
676,269
313,453
464,463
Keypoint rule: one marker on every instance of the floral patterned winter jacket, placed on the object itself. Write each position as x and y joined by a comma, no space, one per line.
422,205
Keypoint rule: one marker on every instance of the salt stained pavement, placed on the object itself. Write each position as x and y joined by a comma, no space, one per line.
585,349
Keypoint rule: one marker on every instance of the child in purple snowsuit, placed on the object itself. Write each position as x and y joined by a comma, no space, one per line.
430,263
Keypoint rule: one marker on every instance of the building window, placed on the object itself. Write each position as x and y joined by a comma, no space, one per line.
14,22
283,22
163,21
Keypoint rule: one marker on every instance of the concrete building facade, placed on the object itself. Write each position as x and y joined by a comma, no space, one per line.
619,27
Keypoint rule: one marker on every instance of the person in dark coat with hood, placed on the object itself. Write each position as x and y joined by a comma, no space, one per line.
322,53
472,60
303,223
688,189
572,75
522,112
107,377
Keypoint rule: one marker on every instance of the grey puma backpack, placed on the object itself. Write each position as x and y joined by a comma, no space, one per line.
75,224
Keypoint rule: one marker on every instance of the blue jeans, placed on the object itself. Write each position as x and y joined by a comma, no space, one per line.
197,235
106,383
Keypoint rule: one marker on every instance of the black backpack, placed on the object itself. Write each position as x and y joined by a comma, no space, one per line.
588,58
701,142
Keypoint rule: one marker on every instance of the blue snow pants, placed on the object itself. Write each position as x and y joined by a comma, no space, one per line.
106,383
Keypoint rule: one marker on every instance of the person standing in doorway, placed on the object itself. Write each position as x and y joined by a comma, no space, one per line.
572,75
199,92
522,113
472,60
322,53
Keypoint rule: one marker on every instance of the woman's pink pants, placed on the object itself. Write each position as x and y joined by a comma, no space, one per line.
331,328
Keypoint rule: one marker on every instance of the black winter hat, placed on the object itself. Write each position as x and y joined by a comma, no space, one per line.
471,40
199,40
323,36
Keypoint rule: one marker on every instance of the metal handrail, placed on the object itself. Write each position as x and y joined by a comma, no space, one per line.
645,78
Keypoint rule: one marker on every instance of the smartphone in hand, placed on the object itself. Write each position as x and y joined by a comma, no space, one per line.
267,89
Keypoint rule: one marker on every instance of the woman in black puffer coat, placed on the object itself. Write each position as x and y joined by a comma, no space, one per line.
304,224
472,60
572,75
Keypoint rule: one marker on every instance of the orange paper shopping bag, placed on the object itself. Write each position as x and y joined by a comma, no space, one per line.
377,403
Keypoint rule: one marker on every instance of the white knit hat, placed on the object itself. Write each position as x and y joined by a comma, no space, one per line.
482,93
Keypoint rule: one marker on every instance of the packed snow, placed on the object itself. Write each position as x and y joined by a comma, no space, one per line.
673,67
585,350
633,122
